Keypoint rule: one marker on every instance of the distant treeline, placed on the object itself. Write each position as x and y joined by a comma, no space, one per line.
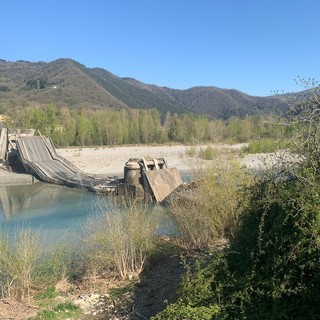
87,127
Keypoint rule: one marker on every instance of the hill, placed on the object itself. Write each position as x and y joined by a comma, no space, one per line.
66,82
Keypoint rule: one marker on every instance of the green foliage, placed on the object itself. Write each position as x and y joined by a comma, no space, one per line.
180,311
208,153
277,275
18,262
265,146
36,84
271,269
196,296
24,266
61,311
87,127
47,297
52,266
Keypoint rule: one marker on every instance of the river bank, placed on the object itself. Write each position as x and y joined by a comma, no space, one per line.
110,161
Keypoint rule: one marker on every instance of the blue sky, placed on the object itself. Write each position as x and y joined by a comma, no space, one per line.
254,46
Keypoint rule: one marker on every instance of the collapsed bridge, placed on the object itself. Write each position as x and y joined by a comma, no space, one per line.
22,151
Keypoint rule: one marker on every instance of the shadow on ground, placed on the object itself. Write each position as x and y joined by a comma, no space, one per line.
157,287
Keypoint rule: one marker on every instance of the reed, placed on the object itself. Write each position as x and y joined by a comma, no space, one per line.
17,262
209,212
119,236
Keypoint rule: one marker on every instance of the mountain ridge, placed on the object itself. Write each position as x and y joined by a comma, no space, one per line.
69,83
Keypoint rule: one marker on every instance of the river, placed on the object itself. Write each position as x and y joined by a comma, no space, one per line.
56,211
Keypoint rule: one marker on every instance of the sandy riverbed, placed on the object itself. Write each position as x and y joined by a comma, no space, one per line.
110,161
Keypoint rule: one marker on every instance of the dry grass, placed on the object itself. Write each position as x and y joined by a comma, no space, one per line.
210,210
18,262
120,236
25,267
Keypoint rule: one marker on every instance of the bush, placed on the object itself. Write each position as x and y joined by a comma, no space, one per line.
196,297
120,236
191,151
207,154
265,146
271,269
210,211
273,262
25,268
60,311
17,263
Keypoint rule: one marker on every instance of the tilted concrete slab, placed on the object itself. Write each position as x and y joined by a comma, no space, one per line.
162,182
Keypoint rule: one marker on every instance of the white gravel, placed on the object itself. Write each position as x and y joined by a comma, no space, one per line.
110,161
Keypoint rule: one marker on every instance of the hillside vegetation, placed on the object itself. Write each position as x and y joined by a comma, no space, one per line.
67,83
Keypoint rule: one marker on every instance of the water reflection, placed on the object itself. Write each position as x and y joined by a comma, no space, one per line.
19,202
57,210
53,210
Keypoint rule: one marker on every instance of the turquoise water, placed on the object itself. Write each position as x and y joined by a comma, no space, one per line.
52,210
57,211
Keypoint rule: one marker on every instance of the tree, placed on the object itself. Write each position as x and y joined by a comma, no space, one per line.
304,121
66,135
83,130
114,129
134,132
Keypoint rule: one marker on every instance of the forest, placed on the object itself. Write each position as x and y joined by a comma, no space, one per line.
95,127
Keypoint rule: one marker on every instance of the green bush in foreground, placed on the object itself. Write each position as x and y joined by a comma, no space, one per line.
195,300
60,311
271,269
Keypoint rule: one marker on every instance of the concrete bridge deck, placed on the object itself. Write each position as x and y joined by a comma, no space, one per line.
38,156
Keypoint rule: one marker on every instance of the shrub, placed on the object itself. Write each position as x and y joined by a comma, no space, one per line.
191,151
210,211
265,146
271,268
278,274
120,236
196,296
24,266
207,154
60,311
17,263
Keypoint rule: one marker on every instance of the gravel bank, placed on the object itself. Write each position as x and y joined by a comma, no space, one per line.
110,161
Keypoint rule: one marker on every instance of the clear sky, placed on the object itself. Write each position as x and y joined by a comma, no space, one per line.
255,46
